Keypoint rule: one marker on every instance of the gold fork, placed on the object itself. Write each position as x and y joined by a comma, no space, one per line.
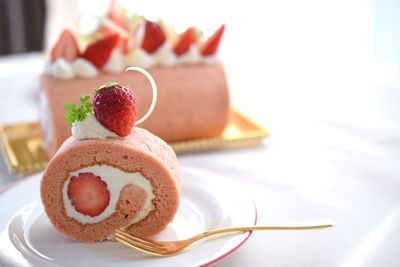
170,248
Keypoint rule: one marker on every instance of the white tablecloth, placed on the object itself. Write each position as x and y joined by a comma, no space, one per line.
334,156
332,106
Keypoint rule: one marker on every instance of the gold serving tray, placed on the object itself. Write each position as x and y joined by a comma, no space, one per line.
22,146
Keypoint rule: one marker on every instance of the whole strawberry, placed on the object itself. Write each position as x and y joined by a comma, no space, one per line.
115,108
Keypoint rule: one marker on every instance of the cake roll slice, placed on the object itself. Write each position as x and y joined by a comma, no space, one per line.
91,187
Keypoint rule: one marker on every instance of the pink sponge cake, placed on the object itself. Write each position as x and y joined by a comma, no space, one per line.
138,191
188,107
109,175
193,97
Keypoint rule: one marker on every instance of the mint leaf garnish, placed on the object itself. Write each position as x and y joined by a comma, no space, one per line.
74,113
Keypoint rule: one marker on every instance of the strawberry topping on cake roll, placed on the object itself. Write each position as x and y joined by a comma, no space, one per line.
193,100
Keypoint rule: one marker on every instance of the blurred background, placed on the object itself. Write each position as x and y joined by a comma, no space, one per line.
310,71
312,47
322,75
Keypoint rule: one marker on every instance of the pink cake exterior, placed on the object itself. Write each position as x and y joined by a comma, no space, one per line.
139,152
193,102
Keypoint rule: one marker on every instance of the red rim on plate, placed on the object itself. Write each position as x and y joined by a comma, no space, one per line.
237,246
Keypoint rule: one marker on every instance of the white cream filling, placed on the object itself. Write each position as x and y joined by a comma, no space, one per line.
115,179
90,127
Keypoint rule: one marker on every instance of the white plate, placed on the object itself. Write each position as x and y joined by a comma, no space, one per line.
208,201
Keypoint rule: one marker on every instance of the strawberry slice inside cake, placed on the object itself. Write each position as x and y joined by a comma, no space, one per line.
88,194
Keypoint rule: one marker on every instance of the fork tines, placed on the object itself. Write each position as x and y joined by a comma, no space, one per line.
140,244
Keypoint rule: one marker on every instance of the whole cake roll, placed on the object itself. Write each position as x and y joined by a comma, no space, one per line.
193,97
109,176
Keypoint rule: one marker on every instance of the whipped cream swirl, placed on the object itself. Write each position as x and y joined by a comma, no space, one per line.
140,58
90,127
83,68
163,56
115,63
65,70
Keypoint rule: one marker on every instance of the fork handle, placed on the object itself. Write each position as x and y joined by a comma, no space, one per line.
302,226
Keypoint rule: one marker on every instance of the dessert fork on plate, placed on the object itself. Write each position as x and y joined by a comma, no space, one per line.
171,248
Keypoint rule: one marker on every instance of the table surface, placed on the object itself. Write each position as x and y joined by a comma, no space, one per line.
334,152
